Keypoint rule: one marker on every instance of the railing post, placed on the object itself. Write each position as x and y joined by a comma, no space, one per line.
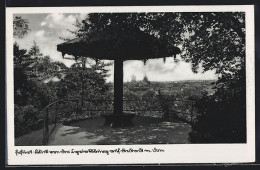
56,110
77,109
47,125
191,116
43,130
103,106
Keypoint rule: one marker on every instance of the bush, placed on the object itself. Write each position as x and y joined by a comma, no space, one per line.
222,116
27,118
220,120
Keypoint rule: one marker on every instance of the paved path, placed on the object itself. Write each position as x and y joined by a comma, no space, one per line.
145,131
73,135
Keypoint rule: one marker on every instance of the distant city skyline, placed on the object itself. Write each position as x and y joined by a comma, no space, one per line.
46,30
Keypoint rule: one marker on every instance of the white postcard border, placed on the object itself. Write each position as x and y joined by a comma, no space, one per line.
174,153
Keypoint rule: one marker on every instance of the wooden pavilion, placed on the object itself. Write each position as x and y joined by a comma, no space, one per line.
119,45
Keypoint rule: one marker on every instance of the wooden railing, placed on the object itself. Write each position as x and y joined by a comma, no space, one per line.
50,118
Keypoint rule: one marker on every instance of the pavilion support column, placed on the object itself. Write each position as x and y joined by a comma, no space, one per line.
118,86
118,118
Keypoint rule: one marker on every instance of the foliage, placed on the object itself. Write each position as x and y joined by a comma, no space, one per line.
35,87
35,51
20,56
213,39
82,82
210,40
220,45
31,93
85,83
221,118
27,118
130,95
118,27
46,69
20,27
149,95
29,88
22,86
30,96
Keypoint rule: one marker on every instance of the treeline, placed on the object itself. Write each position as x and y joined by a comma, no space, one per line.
39,81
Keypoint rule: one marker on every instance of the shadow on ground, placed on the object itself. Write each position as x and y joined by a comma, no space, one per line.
146,130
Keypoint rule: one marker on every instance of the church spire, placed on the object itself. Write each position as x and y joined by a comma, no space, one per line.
145,79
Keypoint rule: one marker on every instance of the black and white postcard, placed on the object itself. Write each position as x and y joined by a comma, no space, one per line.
130,85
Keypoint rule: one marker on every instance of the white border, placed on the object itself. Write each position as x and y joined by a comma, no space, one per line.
174,153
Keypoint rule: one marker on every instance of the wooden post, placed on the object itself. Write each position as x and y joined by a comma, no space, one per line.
56,112
82,91
77,109
191,117
43,131
47,125
118,86
82,83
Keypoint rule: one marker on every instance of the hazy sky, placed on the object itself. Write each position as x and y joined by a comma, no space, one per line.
47,28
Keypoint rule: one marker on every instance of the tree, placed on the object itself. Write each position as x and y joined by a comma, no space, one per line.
21,59
48,69
42,68
35,51
20,56
214,40
85,83
31,93
21,81
217,41
20,27
27,91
